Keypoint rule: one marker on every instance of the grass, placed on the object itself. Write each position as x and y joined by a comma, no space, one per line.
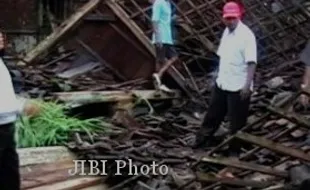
53,127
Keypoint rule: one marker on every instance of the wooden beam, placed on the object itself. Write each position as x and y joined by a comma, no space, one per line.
100,17
35,170
124,17
20,31
113,96
41,155
263,142
44,46
245,165
72,184
49,178
276,187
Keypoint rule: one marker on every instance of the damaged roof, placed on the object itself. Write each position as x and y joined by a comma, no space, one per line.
276,138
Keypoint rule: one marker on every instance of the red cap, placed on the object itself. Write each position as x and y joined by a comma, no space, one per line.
231,9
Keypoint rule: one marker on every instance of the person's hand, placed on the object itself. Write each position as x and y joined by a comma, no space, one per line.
304,100
245,92
31,109
1,41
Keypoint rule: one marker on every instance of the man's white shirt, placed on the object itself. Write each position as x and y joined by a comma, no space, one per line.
236,49
10,105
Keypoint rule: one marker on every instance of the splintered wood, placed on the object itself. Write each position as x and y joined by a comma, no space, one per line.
113,96
142,147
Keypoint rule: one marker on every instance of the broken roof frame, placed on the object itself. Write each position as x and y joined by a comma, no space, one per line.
277,31
190,30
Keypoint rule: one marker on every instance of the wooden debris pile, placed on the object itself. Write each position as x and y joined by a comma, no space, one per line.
69,71
281,28
146,138
275,147
47,168
55,66
275,139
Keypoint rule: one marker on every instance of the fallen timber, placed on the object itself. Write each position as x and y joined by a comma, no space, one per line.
155,140
47,168
113,96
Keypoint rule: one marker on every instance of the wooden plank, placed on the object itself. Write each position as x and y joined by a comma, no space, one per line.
80,70
53,38
263,142
276,187
245,165
40,155
36,181
73,184
45,175
113,96
100,17
42,169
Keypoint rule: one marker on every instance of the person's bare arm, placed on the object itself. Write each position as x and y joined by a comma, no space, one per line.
251,72
305,85
305,82
2,41
305,59
306,78
250,54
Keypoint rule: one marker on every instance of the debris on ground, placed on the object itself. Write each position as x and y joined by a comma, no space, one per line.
86,72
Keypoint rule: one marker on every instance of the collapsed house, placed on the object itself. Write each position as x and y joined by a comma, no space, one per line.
98,52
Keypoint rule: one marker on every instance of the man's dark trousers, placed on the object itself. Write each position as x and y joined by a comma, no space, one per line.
9,161
224,102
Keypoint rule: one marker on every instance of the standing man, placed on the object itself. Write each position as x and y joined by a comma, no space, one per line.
163,40
10,107
237,63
